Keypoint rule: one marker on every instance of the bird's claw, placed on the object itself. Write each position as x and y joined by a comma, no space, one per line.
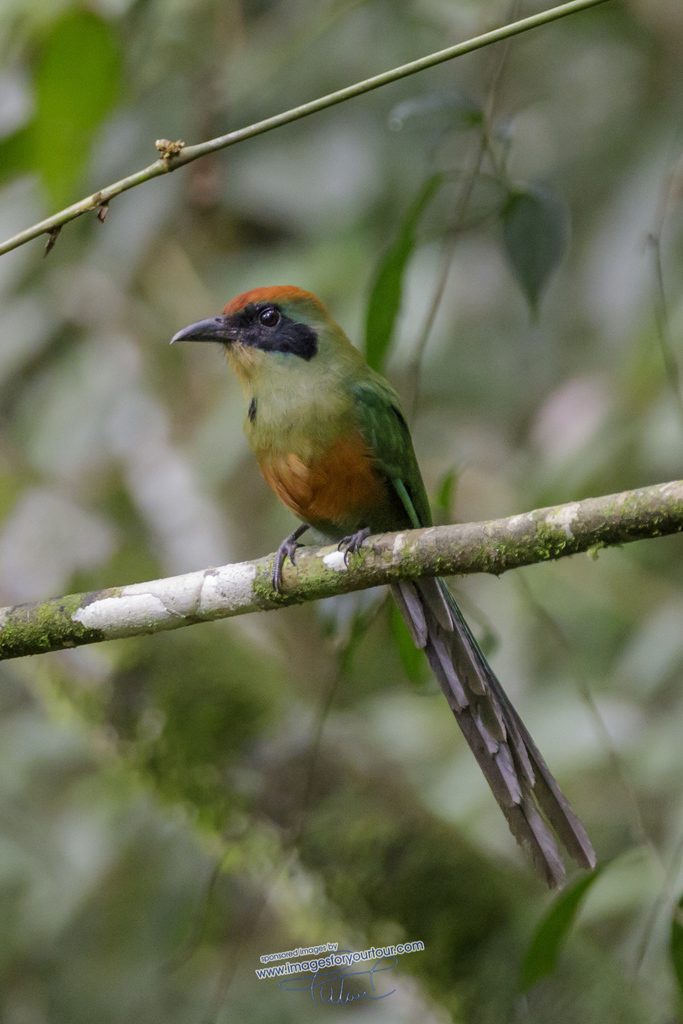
351,545
287,549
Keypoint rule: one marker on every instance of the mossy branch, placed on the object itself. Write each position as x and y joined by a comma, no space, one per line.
493,547
177,154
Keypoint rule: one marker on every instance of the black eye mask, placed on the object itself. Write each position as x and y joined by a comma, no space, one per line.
265,326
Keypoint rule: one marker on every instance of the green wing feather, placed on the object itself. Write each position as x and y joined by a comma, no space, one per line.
386,432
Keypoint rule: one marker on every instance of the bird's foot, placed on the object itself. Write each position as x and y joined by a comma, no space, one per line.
286,549
351,545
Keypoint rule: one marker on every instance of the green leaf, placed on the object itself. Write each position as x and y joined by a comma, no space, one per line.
544,950
457,109
77,81
387,288
445,492
16,153
676,946
535,234
412,658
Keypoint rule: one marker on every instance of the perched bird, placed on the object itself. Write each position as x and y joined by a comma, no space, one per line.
332,442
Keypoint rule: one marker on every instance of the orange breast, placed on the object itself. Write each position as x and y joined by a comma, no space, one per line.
340,488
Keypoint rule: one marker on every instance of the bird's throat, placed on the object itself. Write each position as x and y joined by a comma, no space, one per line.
247,364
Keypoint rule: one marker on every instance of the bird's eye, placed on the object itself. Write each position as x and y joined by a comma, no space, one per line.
269,317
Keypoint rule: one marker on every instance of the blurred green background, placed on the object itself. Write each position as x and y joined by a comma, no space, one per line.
173,807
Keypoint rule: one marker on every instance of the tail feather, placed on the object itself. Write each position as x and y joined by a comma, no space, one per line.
544,851
519,778
410,606
436,649
491,742
552,800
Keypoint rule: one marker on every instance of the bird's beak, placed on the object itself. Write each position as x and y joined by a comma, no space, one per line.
216,329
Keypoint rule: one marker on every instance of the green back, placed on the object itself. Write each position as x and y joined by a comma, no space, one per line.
386,432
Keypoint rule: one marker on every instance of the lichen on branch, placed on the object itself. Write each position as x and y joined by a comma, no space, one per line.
491,547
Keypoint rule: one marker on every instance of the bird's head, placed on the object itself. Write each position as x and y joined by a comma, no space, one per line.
285,322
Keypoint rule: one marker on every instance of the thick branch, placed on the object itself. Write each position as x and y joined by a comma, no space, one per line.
492,547
177,155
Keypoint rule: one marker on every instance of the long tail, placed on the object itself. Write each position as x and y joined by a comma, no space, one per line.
526,792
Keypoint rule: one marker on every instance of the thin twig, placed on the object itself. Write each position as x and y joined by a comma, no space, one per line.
447,253
53,235
638,830
654,241
454,229
187,154
359,628
666,899
190,946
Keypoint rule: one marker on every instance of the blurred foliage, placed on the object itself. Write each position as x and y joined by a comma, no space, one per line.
677,947
387,290
535,230
175,807
412,658
76,82
545,947
76,78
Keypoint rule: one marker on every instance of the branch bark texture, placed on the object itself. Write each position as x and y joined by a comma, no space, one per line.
492,547
176,154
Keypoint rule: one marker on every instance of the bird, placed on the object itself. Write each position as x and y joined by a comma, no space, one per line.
333,443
